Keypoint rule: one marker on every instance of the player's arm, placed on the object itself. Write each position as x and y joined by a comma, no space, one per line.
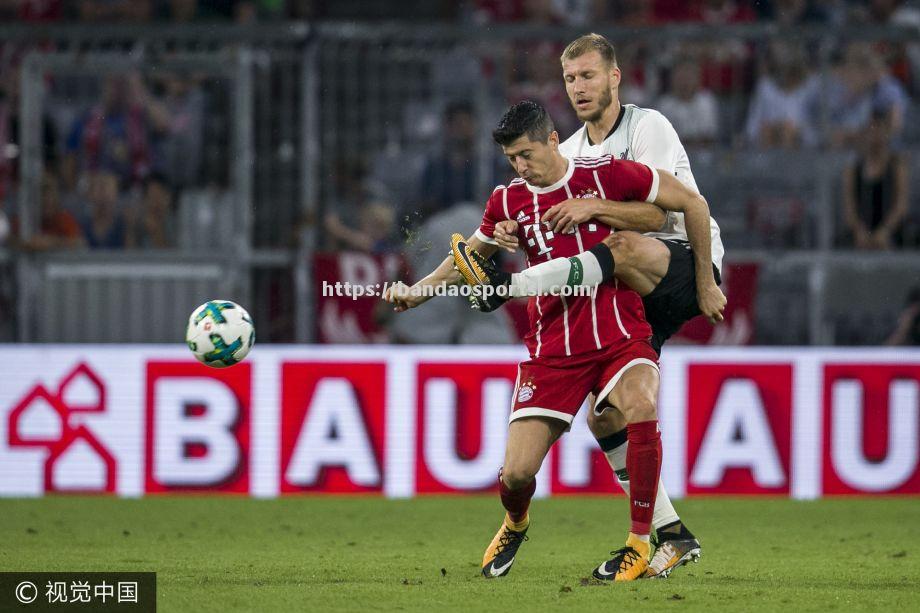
404,297
675,196
655,144
634,215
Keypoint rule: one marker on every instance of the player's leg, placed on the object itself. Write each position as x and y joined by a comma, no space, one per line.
676,544
634,390
529,440
639,261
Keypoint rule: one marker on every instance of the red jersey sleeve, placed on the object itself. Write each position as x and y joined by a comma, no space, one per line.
625,181
494,213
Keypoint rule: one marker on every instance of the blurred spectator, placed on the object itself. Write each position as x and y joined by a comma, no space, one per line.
58,228
862,85
907,331
639,77
450,177
875,189
372,230
151,225
178,11
176,117
886,12
103,221
715,12
241,11
377,221
111,137
637,13
903,60
783,111
114,10
568,12
792,12
9,135
692,110
355,220
32,11
724,61
537,75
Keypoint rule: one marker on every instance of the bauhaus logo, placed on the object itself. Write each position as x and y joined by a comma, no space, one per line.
739,426
405,421
871,427
54,419
333,417
197,427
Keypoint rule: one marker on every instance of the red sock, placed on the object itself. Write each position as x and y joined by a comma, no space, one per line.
643,463
516,502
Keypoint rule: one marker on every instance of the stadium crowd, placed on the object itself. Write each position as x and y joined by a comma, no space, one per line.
131,159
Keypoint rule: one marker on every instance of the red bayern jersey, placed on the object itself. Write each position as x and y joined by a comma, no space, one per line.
573,325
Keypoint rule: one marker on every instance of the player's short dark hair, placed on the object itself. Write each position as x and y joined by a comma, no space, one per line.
588,43
525,117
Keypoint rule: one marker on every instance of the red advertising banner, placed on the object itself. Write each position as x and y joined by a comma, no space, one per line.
462,420
403,421
739,428
871,423
739,284
332,426
197,427
349,316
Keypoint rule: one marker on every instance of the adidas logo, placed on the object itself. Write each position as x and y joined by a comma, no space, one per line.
521,217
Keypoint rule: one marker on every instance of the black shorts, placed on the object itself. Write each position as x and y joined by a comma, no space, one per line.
673,301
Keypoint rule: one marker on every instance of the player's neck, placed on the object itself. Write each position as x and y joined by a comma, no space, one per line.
598,130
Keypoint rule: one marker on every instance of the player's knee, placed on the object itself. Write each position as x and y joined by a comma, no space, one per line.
518,476
623,247
640,409
607,423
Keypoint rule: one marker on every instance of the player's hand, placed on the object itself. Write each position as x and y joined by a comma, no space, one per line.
712,301
505,235
563,217
402,298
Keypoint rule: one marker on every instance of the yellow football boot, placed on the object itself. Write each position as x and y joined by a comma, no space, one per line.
628,563
500,553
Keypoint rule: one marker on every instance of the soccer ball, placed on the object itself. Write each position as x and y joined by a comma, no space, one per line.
220,333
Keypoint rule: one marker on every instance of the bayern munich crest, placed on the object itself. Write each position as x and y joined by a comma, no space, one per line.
588,193
526,392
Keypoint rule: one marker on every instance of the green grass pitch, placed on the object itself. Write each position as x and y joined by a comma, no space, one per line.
360,553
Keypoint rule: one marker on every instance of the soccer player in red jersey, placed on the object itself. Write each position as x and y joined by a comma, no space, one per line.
675,268
596,343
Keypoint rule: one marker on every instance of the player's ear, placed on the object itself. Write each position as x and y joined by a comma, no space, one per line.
554,139
615,76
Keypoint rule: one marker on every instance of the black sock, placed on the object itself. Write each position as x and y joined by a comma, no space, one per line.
672,531
605,260
612,441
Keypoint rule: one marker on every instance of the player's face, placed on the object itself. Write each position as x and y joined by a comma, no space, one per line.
532,160
589,83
